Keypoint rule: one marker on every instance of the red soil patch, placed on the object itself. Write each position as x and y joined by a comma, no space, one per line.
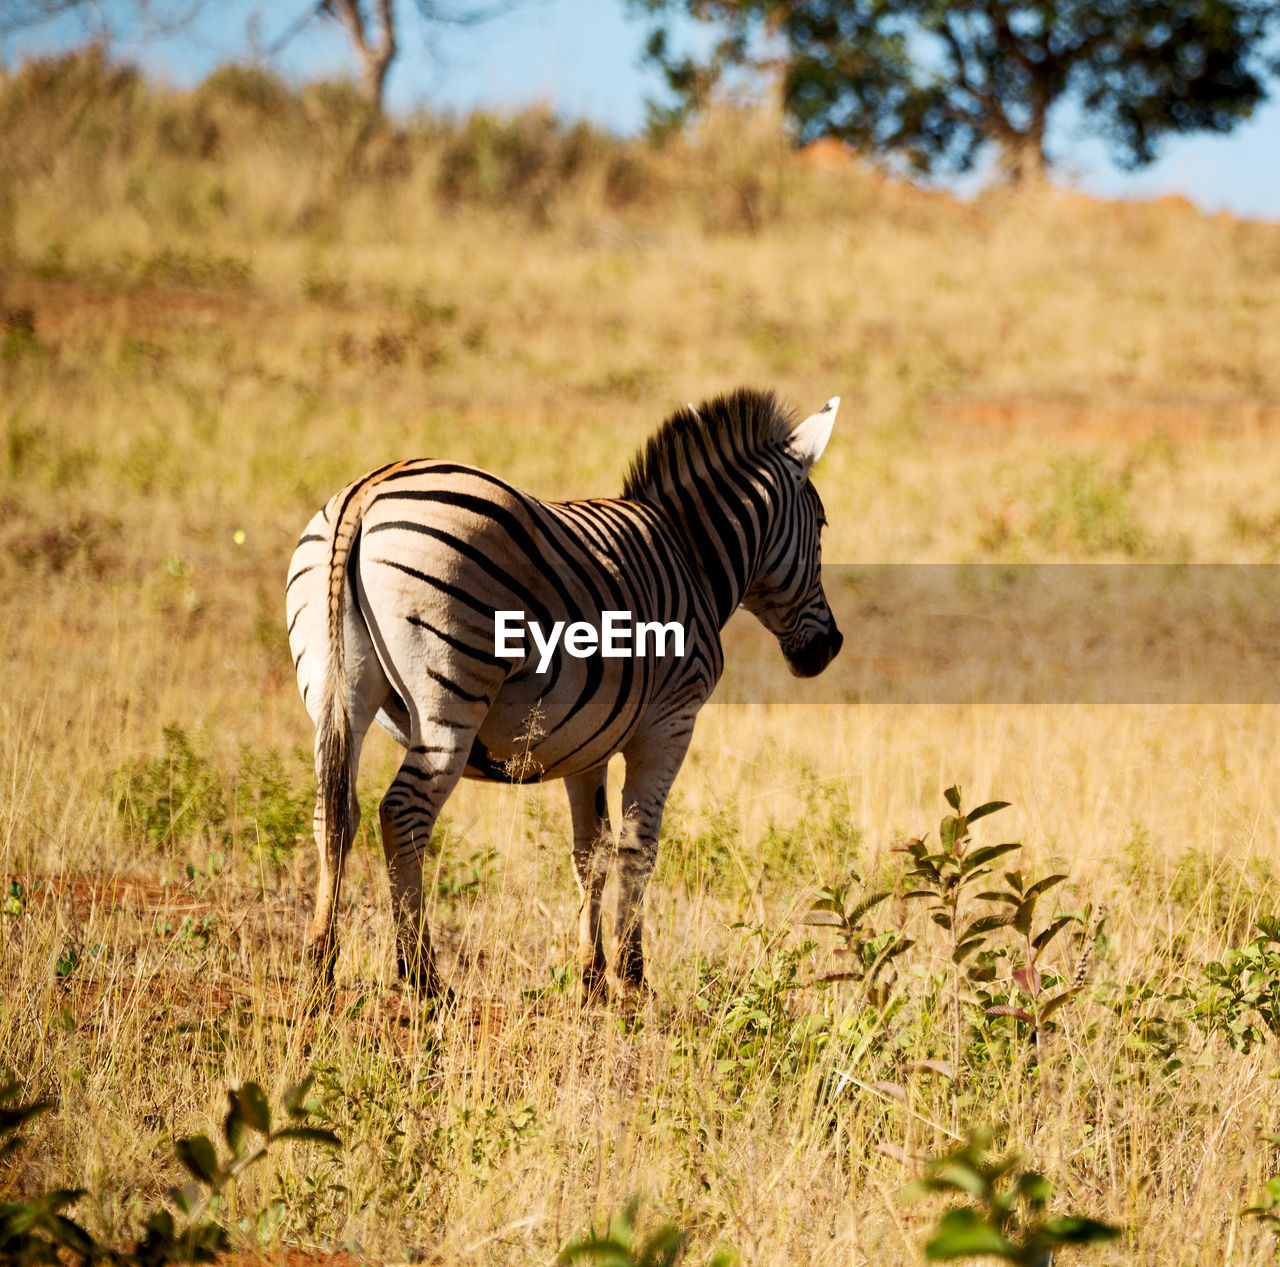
1087,421
90,894
94,996
292,1257
829,154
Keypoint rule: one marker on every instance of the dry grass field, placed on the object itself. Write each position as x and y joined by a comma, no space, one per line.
218,307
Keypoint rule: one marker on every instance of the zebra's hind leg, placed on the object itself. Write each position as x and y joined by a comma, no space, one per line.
592,841
408,813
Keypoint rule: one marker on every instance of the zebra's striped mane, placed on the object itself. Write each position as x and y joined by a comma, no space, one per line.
735,427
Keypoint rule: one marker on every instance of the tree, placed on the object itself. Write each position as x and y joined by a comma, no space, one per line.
376,53
935,83
371,25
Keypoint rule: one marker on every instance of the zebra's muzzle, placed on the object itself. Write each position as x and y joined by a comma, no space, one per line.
810,659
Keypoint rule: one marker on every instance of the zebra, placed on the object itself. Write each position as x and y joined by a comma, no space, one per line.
392,598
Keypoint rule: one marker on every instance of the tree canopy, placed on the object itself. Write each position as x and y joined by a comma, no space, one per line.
936,83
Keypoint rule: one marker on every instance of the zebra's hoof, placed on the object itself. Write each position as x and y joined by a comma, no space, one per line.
595,990
432,989
635,996
320,989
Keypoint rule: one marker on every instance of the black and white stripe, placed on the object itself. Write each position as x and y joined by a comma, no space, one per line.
391,599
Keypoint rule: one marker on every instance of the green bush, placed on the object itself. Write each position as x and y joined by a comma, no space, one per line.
181,797
174,797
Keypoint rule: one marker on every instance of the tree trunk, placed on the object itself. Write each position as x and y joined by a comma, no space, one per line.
1022,161
375,56
375,64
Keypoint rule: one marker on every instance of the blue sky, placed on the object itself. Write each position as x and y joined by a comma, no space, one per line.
582,58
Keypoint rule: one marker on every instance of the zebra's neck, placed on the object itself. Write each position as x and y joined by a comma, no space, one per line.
722,519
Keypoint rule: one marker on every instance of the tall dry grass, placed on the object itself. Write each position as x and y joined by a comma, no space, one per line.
219,308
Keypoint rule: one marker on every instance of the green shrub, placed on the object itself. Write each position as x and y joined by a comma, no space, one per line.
1005,1214
1088,510
182,796
268,809
174,797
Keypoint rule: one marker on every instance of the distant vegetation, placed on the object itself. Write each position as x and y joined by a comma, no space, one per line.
213,155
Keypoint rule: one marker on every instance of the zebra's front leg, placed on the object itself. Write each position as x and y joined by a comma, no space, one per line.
592,841
408,815
650,772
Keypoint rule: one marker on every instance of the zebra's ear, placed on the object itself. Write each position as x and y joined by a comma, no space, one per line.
810,437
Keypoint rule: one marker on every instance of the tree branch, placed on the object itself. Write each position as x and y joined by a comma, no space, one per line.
991,110
375,58
465,14
348,13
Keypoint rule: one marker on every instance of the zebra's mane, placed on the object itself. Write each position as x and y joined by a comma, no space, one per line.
736,426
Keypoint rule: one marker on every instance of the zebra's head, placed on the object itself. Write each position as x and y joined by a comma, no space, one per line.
786,593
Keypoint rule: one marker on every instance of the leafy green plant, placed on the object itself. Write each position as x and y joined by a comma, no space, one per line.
461,878
1037,994
844,908
68,959
1157,1028
268,807
620,1245
975,983
176,795
182,795
37,1231
1240,997
756,1034
15,901
1088,509
942,878
1008,1217
200,1239
752,1031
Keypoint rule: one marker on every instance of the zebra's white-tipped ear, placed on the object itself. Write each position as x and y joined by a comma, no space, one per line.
810,437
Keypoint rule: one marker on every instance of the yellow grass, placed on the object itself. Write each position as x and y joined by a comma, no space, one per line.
198,347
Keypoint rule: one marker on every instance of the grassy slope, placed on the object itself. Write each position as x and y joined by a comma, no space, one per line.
222,329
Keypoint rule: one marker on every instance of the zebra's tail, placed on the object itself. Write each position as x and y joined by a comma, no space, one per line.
333,736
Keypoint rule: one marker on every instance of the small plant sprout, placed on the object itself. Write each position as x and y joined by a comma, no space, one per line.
942,877
1007,1218
867,952
619,1245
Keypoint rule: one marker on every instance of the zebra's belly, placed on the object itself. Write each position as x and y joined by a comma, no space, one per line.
530,735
